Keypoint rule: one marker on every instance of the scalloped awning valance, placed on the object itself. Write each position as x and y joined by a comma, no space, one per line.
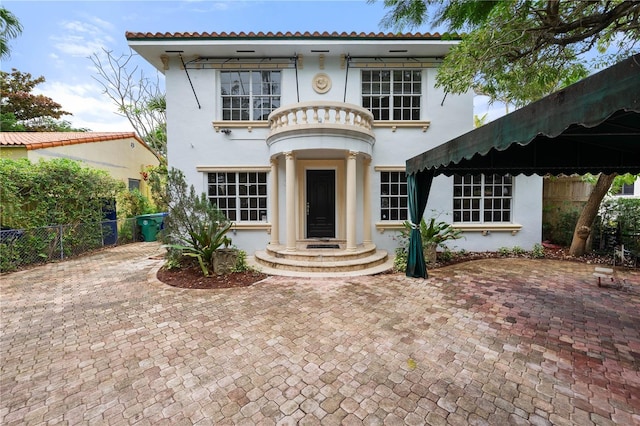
592,126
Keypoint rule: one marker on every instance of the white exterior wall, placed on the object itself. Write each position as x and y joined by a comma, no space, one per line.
193,142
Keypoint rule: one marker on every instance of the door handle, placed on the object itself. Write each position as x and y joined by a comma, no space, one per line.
307,208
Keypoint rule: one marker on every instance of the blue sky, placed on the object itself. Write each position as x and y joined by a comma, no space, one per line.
59,36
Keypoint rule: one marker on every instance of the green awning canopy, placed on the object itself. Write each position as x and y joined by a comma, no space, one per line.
592,126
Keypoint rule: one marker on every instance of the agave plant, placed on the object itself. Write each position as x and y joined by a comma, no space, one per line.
205,239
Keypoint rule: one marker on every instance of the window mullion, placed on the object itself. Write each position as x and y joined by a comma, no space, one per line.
250,95
482,196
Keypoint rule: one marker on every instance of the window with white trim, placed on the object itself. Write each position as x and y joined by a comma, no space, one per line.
392,94
241,196
482,198
249,95
393,196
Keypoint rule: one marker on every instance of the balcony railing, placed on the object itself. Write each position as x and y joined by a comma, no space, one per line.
322,116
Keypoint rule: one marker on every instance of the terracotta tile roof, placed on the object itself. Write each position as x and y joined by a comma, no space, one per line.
288,35
39,140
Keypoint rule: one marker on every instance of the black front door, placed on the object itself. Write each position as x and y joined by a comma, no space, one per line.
321,203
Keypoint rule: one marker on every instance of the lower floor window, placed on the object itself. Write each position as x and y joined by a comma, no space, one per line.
134,184
393,196
482,198
241,196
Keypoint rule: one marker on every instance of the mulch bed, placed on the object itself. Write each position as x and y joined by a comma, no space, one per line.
190,276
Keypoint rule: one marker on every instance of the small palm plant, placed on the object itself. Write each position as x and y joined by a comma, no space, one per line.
433,234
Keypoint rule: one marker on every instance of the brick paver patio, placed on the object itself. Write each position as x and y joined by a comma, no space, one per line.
98,340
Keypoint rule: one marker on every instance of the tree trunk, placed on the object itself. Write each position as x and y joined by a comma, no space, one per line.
588,214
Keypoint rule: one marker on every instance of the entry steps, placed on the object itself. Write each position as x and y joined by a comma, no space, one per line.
321,262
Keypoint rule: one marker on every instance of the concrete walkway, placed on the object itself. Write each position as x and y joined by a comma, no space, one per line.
98,340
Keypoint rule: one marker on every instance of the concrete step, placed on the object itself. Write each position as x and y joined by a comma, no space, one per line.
323,271
302,253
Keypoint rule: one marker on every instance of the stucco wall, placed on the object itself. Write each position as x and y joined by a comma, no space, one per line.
123,159
13,152
194,142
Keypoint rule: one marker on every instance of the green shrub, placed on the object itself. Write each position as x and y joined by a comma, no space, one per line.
537,252
400,261
241,262
518,251
563,233
504,251
445,255
194,226
620,216
133,203
433,234
54,192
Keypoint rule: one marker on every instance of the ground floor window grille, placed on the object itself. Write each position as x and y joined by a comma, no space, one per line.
393,196
241,196
482,198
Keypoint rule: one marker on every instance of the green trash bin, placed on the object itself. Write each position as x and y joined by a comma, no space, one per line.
150,224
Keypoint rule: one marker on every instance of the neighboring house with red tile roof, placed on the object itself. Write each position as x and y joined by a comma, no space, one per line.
301,139
122,154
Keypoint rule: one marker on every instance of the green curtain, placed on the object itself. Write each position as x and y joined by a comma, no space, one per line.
418,187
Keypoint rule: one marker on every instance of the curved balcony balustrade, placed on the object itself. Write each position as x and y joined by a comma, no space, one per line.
320,124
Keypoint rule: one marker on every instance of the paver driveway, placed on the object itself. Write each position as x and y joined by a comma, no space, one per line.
99,341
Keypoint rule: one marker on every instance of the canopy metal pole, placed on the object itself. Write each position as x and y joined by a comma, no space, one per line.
190,83
346,78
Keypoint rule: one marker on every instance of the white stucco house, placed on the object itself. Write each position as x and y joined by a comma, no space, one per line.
301,139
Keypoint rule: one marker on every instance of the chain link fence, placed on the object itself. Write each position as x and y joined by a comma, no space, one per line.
22,247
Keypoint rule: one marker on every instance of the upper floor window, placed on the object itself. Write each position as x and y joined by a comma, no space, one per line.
392,94
249,95
482,198
393,196
241,196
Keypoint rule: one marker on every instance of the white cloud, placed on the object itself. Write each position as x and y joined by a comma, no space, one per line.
481,106
82,38
90,108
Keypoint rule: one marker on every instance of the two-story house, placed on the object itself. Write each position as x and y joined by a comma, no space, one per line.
301,140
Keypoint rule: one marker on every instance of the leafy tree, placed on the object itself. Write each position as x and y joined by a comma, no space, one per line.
137,98
620,181
22,109
8,123
521,50
10,28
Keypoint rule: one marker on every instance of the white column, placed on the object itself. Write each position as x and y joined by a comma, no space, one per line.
366,200
275,214
351,201
290,180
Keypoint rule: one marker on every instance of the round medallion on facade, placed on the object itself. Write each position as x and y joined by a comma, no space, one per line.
321,83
